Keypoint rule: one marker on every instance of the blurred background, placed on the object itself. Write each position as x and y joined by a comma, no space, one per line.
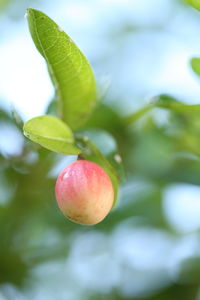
149,246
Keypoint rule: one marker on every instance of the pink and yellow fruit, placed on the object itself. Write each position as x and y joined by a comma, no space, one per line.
84,192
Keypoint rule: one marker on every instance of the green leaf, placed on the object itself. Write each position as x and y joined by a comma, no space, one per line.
51,133
163,99
195,64
194,3
92,153
169,102
69,69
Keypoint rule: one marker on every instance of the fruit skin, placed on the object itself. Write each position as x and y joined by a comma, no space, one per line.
84,192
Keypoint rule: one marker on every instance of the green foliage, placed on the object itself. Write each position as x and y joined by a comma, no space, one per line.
195,64
156,153
69,69
162,101
76,92
194,3
190,270
13,269
168,102
52,134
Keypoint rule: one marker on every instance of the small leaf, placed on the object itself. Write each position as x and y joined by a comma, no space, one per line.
52,134
169,102
69,69
195,64
182,107
164,99
92,153
194,3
